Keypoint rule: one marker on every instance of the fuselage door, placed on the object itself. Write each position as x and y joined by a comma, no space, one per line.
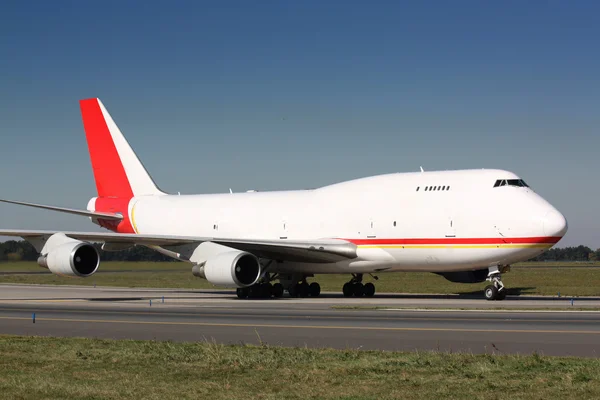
371,229
451,227
283,229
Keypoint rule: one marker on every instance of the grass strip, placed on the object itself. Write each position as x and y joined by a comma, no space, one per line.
73,368
568,279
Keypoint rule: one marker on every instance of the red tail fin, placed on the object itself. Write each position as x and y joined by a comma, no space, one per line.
117,170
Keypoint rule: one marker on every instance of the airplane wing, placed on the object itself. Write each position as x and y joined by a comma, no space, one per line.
317,251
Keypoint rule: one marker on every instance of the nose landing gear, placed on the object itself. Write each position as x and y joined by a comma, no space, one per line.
497,290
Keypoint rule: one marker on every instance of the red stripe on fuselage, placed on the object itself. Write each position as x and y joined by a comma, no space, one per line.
464,241
110,176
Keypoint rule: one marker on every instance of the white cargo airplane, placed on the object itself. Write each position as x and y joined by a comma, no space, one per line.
466,225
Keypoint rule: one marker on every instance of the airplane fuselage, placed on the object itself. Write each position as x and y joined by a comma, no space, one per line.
427,221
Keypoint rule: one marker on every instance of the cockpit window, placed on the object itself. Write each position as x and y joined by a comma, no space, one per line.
510,182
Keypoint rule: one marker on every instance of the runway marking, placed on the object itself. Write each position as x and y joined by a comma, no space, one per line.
362,328
366,317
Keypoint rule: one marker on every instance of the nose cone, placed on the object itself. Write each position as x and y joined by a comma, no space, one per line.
555,224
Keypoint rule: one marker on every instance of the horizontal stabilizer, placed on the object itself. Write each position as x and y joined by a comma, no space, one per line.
85,213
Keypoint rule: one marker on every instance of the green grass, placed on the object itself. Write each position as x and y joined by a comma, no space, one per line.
526,279
53,368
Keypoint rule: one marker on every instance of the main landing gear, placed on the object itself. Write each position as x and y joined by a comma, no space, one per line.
304,289
497,290
356,288
297,286
265,289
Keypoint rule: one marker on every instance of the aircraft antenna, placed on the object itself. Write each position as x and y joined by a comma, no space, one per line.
422,169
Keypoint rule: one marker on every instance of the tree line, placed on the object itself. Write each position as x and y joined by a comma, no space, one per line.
21,250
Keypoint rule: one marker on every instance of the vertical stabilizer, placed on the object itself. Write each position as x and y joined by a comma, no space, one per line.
117,170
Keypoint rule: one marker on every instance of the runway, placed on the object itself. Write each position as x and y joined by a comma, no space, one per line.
192,315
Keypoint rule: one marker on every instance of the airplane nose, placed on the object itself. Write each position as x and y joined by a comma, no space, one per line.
555,224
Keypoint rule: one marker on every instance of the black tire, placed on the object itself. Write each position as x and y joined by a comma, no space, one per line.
501,294
303,289
314,289
277,290
359,289
369,289
242,293
267,290
254,291
347,289
490,292
293,290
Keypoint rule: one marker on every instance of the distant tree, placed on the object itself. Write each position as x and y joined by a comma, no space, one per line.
578,253
22,250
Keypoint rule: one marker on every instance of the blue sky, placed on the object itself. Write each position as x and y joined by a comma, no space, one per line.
282,94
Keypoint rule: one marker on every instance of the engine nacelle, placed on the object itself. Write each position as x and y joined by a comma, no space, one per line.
230,269
66,256
476,276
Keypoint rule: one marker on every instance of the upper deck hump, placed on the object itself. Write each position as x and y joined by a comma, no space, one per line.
465,175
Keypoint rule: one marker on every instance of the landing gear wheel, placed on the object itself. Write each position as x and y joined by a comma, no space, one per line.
501,294
242,293
358,289
266,290
490,292
277,290
293,290
348,289
303,289
255,292
314,289
369,289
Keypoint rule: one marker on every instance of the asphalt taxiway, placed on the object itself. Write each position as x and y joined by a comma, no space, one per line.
475,325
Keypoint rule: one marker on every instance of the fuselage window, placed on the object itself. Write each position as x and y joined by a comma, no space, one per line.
394,223
426,187
443,187
439,187
418,188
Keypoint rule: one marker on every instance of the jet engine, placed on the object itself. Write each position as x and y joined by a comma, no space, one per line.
65,256
476,276
230,269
